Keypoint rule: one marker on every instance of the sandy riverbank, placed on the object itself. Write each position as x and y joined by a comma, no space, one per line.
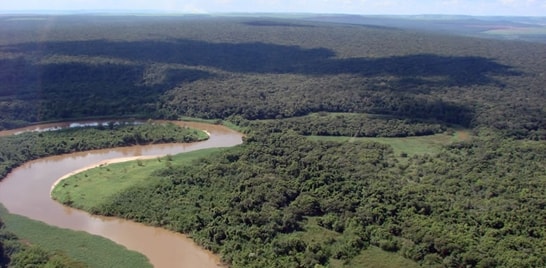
108,162
102,164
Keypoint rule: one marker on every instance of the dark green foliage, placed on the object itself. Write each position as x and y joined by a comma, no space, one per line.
355,125
36,257
251,203
246,198
61,90
4,258
267,96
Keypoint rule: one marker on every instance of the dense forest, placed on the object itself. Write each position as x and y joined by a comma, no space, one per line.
281,199
75,66
355,125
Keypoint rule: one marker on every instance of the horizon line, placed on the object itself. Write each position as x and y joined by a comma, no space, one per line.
174,12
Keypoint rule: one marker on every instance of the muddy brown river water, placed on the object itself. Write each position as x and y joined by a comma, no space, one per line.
26,191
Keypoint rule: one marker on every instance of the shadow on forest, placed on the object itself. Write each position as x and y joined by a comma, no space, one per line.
40,92
21,76
272,58
109,86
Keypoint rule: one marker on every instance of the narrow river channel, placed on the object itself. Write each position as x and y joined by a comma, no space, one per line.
26,191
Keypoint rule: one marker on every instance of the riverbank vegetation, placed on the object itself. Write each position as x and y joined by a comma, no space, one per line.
28,243
93,193
40,246
282,200
286,200
17,149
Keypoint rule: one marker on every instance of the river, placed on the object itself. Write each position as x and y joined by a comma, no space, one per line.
26,191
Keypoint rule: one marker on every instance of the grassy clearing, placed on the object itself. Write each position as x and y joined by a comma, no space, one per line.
409,145
202,135
233,126
314,233
199,120
377,258
89,189
95,251
212,121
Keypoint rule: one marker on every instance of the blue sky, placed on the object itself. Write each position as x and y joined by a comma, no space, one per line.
406,7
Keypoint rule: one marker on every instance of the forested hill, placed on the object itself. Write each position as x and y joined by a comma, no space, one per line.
58,67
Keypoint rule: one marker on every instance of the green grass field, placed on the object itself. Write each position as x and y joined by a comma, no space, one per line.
212,121
89,189
409,145
95,251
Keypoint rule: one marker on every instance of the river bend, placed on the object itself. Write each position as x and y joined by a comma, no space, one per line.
26,191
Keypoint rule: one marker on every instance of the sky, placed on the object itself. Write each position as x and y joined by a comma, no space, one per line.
364,7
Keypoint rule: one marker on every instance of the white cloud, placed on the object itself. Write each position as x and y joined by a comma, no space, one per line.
451,2
386,3
507,2
190,8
